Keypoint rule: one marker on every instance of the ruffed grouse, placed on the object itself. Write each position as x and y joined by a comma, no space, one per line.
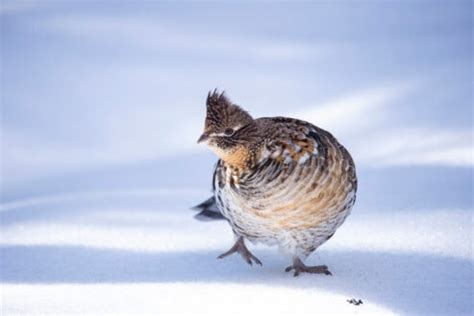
279,181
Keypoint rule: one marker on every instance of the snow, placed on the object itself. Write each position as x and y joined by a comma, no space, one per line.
101,107
142,252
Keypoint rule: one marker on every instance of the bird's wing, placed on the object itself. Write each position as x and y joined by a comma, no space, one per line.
293,140
207,210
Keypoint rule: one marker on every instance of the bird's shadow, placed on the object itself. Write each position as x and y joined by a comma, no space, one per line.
406,283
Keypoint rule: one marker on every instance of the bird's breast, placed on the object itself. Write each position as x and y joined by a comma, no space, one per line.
299,186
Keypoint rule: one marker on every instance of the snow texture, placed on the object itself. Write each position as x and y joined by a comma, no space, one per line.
141,252
101,107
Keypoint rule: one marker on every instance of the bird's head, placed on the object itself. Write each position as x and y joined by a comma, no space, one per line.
229,131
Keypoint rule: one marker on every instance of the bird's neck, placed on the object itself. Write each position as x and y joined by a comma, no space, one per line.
242,158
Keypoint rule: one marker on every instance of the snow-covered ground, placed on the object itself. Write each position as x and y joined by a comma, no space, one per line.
142,252
101,107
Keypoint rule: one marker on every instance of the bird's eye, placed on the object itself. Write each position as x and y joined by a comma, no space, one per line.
228,131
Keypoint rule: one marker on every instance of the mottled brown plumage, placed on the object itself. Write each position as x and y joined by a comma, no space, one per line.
279,181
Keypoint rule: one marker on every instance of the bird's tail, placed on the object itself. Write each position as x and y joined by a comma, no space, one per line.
207,210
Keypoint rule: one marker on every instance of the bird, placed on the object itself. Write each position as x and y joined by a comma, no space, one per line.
278,181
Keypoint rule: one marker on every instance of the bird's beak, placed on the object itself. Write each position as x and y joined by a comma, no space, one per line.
204,137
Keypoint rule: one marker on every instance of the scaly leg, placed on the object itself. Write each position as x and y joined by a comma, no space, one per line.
240,247
299,267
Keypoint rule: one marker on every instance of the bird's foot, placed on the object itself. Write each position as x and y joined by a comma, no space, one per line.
299,267
240,247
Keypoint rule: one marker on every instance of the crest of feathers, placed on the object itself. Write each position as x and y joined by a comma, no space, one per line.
220,110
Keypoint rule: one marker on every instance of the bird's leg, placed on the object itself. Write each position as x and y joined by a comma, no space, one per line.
299,267
240,247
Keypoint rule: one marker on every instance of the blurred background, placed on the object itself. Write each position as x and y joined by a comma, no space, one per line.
102,103
101,96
